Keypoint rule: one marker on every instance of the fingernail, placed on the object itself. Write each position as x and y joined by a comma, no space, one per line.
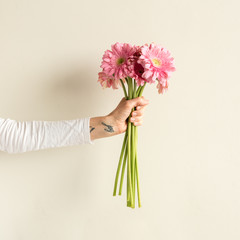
132,119
134,114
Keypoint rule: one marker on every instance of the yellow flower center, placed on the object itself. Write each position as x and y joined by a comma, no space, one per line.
156,62
120,61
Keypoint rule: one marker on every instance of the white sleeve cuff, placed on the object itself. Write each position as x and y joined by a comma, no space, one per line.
86,131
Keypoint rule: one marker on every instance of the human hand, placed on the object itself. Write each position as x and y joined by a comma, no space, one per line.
116,122
123,110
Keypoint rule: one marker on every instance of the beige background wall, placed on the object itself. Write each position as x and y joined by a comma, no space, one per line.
50,53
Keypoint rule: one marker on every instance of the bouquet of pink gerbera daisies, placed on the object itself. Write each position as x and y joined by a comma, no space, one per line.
134,67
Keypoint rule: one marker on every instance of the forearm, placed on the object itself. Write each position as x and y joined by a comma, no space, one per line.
101,127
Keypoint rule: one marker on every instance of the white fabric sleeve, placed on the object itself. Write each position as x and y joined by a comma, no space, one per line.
20,137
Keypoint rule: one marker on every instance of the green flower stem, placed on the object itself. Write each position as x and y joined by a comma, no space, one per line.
141,91
124,89
138,90
128,190
130,196
138,188
123,169
129,183
120,163
133,150
132,162
130,88
134,89
139,94
136,166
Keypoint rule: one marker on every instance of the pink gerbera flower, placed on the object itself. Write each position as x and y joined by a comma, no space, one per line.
157,63
115,62
107,81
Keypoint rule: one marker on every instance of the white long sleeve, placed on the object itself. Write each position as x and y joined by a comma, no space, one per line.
19,137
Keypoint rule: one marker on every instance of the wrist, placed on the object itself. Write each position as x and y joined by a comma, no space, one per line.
104,126
110,119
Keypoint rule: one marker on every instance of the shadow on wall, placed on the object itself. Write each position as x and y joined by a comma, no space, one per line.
66,93
70,92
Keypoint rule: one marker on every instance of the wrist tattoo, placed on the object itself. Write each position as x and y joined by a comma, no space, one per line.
109,127
91,128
